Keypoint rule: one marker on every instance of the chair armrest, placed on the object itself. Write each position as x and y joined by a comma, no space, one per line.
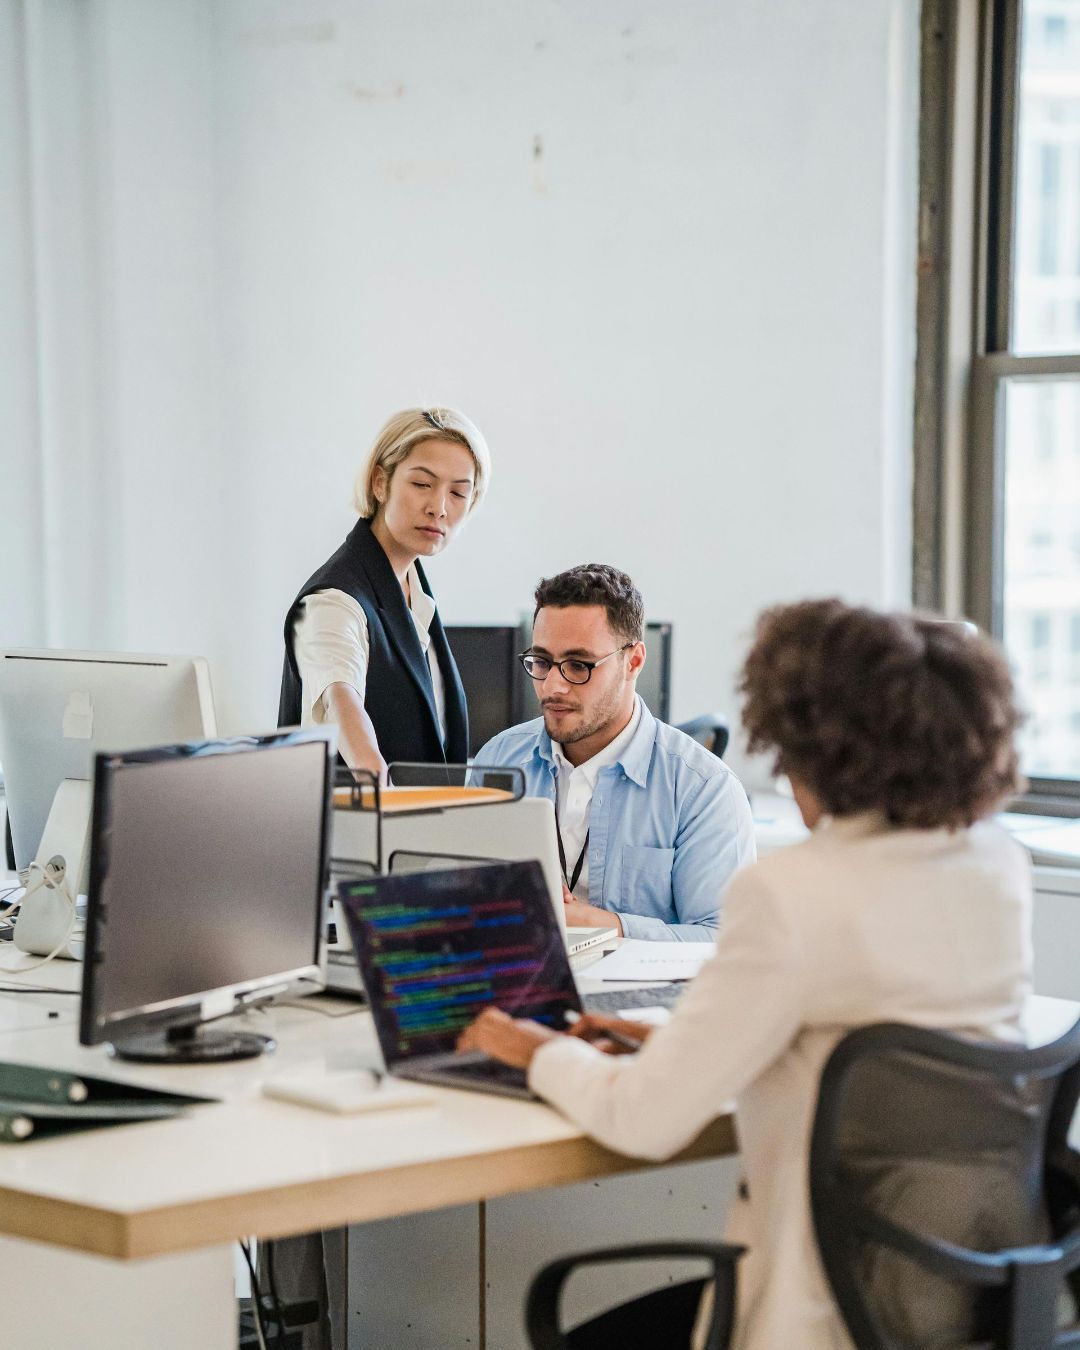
542,1304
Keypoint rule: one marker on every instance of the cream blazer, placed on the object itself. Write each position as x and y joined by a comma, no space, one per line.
860,923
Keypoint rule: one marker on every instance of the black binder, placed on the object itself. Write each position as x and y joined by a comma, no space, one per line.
37,1101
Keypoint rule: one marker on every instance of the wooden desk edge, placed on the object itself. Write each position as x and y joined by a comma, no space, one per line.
303,1207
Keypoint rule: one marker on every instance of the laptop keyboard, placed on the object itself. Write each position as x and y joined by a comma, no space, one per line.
489,1070
622,1000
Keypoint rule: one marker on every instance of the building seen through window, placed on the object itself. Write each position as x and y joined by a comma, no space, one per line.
1041,597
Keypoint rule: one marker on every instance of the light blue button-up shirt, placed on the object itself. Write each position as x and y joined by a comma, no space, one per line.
669,826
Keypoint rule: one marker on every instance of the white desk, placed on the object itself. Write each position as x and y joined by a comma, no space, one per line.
135,1224
182,1191
31,1010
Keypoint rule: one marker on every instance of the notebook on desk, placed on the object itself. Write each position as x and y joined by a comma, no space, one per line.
436,948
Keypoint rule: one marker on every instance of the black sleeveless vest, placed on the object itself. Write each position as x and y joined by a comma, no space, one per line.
399,697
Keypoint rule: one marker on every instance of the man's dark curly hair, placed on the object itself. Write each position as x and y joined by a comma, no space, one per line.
597,584
899,712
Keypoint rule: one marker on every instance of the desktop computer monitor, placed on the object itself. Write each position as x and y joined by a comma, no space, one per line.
654,682
499,694
491,676
208,874
59,708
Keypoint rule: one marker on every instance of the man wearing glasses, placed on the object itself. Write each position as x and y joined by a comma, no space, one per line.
651,825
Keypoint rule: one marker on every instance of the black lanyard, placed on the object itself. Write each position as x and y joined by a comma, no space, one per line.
571,881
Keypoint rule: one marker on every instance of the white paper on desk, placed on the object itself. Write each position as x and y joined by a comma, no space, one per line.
639,959
348,1093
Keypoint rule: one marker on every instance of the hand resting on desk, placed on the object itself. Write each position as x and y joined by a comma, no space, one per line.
581,915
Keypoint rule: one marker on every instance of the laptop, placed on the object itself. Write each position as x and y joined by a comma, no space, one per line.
437,948
579,940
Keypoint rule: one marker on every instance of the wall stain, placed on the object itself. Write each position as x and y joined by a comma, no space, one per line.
365,94
297,33
422,171
539,178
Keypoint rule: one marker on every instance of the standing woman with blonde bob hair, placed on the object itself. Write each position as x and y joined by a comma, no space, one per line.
364,645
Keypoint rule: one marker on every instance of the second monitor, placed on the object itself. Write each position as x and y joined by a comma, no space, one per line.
207,882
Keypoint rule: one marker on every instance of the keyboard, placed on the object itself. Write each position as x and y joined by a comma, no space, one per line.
489,1071
622,1000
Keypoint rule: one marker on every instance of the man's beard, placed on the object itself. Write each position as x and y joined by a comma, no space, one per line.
599,718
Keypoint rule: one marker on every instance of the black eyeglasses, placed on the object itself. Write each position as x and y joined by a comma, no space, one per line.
573,671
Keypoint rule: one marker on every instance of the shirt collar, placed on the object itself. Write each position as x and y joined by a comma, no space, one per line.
632,748
420,603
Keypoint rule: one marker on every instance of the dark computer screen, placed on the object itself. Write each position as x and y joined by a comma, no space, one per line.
654,682
207,872
486,658
436,948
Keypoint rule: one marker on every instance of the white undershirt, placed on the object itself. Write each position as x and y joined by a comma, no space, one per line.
574,790
331,646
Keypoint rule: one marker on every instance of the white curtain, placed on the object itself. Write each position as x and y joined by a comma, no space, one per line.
108,322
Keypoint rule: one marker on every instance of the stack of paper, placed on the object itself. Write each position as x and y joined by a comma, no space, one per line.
655,962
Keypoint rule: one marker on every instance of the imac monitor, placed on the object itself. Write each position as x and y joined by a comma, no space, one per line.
208,871
57,709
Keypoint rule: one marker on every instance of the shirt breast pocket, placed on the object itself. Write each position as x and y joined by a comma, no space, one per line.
646,880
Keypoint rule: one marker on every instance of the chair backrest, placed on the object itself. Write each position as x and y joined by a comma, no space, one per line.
946,1198
710,730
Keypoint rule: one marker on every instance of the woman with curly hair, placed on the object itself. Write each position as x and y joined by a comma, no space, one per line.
906,903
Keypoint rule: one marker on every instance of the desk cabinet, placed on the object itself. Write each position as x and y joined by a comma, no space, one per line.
457,1279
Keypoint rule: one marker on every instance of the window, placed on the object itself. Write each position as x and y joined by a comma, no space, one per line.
1055,28
997,500
1038,268
1049,208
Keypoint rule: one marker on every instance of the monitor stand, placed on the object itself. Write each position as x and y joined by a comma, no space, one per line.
46,924
192,1044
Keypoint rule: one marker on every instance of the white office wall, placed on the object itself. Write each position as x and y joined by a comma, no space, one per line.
663,254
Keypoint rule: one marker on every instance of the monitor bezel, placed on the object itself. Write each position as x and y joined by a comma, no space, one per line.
96,1027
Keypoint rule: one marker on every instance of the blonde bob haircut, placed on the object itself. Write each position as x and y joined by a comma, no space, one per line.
408,428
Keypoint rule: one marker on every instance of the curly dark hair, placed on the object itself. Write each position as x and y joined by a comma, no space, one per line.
902,713
597,584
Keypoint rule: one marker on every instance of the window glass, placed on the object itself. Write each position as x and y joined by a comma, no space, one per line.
1041,610
1046,277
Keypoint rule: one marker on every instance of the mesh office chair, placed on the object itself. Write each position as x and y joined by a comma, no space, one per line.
946,1201
710,730
945,1195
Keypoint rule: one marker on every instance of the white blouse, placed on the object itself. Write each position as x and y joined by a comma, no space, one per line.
331,646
